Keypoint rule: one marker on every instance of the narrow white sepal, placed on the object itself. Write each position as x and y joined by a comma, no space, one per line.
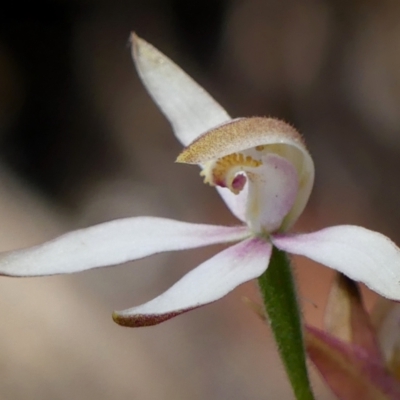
205,284
113,243
188,107
363,255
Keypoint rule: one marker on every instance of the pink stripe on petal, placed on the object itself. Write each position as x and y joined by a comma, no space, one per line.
113,243
362,255
205,284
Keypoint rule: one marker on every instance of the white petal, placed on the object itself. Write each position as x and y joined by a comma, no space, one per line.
112,243
188,107
363,255
208,282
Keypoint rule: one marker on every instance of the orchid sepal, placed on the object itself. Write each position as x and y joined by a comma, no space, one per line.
359,253
205,284
188,107
112,243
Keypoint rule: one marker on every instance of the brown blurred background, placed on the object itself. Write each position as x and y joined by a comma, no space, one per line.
81,143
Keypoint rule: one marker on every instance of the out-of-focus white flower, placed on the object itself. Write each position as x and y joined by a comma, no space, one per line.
264,173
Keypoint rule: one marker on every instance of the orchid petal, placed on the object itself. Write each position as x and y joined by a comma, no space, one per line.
247,133
189,108
112,243
205,284
362,255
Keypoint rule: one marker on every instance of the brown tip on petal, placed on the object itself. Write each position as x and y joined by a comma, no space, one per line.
237,135
142,320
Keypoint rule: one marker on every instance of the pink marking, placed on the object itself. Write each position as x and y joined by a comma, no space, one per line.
253,245
238,182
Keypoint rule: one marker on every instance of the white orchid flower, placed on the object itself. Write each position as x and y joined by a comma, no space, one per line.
264,173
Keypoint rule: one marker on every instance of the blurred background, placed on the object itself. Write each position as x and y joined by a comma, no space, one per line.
81,143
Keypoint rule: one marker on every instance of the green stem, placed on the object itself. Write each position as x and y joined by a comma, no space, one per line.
280,300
